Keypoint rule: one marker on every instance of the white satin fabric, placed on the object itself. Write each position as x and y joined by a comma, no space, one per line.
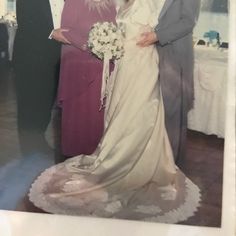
132,174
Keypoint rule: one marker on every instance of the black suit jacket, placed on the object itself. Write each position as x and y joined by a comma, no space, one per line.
3,40
35,24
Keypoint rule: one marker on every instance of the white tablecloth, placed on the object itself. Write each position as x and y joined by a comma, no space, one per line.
210,80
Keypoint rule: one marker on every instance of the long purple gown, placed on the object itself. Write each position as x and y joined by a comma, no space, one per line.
81,77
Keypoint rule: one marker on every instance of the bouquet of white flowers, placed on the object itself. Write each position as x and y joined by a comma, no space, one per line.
106,40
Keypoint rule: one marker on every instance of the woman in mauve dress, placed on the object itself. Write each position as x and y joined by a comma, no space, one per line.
81,77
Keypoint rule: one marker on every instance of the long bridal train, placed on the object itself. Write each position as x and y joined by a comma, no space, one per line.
131,175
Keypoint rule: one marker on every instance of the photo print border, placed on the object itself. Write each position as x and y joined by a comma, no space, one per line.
32,224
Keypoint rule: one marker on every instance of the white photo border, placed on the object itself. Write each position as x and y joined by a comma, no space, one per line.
32,224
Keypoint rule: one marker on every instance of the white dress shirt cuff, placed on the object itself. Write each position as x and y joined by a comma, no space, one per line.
50,35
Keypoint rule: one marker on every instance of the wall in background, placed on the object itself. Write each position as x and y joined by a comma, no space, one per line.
3,7
212,21
212,17
11,5
215,5
7,6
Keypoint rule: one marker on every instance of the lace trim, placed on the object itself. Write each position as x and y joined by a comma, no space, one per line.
182,213
186,210
152,209
113,207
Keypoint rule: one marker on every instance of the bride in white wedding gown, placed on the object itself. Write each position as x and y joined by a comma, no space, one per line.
132,174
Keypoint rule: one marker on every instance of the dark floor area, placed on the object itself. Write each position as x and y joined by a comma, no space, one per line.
203,163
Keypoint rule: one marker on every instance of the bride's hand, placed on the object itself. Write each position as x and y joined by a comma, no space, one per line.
147,39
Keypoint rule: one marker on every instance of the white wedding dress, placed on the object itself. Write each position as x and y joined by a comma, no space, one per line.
132,174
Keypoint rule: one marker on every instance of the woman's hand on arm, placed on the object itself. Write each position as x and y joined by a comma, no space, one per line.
58,35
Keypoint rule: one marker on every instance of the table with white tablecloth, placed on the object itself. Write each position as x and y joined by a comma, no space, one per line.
210,81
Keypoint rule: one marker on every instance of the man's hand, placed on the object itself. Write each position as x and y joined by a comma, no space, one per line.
57,35
147,39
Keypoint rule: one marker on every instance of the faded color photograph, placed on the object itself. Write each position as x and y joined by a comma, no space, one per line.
114,108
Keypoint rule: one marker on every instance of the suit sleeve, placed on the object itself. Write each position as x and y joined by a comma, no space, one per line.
182,27
24,14
32,21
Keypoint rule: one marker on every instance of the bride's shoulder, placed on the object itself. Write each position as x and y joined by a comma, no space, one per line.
150,4
146,12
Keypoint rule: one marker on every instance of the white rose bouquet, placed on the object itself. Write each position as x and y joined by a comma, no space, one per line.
106,40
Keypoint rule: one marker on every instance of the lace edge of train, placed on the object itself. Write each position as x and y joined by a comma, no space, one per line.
184,211
180,214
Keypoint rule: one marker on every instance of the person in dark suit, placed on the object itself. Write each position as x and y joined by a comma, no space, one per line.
3,45
36,65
